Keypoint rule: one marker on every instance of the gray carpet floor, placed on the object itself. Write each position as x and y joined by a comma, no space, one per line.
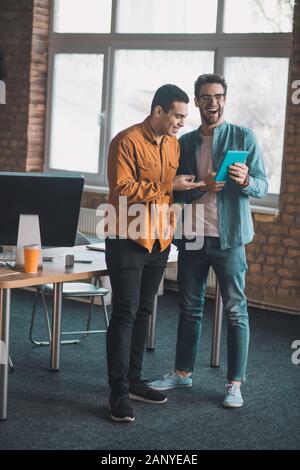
68,409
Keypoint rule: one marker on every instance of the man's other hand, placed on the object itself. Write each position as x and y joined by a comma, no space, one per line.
209,184
184,183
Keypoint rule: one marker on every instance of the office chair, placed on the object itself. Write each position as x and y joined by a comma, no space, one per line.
70,289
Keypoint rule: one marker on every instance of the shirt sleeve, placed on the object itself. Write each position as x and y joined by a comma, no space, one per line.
258,185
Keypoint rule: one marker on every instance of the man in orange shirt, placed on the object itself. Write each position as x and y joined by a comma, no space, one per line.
142,165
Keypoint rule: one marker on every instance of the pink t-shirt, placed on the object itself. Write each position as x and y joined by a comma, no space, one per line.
209,200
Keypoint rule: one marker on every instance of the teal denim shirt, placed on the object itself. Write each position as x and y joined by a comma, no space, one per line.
234,215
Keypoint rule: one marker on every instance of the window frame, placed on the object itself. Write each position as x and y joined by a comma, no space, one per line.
222,44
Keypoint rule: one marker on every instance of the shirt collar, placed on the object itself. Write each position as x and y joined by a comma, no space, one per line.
216,130
149,134
220,127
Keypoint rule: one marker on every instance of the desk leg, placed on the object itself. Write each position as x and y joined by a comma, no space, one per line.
151,327
56,325
217,328
4,349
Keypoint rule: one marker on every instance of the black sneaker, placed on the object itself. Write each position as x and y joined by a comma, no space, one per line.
120,408
141,392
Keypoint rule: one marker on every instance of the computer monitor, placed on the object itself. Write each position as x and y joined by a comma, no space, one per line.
54,198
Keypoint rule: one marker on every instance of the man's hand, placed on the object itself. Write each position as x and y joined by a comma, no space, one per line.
184,183
209,185
238,173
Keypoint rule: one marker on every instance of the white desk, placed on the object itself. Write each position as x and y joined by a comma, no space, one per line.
53,272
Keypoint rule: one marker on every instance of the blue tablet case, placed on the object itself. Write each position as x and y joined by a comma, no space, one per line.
231,157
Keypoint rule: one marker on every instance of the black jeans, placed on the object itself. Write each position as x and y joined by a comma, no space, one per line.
135,276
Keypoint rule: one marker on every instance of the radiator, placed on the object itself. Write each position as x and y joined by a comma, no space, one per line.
87,224
88,221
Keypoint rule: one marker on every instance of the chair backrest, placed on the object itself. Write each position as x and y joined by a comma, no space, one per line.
81,239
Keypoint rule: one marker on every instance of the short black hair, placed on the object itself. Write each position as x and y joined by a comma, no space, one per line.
210,78
166,95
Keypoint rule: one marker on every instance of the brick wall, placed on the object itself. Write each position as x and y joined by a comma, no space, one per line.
274,257
24,42
15,42
38,86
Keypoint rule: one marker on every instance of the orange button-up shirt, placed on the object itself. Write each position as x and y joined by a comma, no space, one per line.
142,170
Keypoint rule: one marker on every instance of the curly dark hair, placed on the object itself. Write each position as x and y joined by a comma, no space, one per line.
209,78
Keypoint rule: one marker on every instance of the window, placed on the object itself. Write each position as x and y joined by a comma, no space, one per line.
139,73
77,16
75,132
258,16
107,58
257,101
167,16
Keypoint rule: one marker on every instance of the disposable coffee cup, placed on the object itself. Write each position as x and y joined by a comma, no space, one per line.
31,258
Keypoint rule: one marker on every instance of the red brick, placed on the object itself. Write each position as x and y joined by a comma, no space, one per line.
293,253
290,263
290,283
273,260
282,293
273,240
255,268
287,273
269,269
274,250
291,242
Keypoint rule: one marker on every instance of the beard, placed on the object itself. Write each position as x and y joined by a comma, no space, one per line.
214,119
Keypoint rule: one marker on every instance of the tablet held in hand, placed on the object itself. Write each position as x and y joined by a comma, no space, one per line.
231,157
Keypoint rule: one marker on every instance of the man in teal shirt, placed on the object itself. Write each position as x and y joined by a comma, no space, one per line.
226,227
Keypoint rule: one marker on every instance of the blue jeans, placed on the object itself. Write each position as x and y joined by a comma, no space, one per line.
230,267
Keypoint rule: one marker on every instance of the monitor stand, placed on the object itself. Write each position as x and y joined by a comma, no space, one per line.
28,234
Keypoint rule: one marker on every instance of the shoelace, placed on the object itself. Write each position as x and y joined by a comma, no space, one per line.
173,374
232,389
168,374
140,386
122,397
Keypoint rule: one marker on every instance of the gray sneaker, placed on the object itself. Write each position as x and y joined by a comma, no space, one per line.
233,397
171,380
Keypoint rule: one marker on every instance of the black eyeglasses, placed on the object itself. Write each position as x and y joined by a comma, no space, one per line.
208,98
